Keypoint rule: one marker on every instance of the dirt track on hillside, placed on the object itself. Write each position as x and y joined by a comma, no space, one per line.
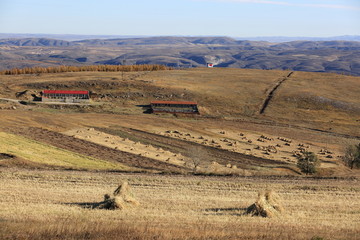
272,92
95,150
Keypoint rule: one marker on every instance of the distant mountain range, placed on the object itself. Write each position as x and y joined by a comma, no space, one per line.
77,37
289,39
67,37
316,56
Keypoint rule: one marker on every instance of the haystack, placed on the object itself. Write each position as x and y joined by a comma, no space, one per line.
122,198
267,205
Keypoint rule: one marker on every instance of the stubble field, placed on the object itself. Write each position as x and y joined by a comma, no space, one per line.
51,205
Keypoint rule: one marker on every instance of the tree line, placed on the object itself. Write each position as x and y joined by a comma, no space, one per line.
89,68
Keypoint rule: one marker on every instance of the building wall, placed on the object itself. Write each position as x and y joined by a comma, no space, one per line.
174,108
65,100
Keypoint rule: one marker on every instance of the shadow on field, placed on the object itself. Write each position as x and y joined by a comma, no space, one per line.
146,108
87,205
225,211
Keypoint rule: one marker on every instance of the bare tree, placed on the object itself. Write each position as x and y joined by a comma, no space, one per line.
197,155
352,156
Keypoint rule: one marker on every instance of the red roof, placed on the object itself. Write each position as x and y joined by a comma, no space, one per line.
64,92
173,102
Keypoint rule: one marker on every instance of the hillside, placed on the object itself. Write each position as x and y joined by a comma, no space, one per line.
192,176
313,56
247,118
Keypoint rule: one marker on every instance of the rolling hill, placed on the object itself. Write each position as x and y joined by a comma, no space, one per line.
312,56
248,117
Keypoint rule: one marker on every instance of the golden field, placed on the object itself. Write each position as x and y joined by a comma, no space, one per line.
49,205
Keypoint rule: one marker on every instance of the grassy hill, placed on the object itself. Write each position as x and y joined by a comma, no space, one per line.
321,110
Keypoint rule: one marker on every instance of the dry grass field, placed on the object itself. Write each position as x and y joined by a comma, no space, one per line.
52,205
193,176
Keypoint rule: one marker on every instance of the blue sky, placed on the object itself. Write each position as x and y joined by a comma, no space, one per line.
235,18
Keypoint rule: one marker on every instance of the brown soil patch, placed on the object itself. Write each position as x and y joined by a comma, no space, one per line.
10,161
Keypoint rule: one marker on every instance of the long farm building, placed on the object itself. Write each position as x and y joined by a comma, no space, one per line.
65,96
174,107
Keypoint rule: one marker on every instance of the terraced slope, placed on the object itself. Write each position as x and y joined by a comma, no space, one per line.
109,156
51,156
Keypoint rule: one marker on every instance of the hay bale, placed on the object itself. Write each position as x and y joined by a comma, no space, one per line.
122,198
267,205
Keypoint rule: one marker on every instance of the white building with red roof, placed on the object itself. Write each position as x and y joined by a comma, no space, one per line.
66,96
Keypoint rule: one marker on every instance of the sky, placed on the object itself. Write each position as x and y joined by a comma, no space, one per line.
233,18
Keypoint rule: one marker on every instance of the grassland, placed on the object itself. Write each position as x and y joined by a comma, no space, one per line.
305,99
50,205
47,177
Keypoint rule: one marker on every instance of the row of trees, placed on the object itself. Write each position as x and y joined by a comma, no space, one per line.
90,68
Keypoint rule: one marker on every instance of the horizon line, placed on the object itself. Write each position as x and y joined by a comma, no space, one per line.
184,35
